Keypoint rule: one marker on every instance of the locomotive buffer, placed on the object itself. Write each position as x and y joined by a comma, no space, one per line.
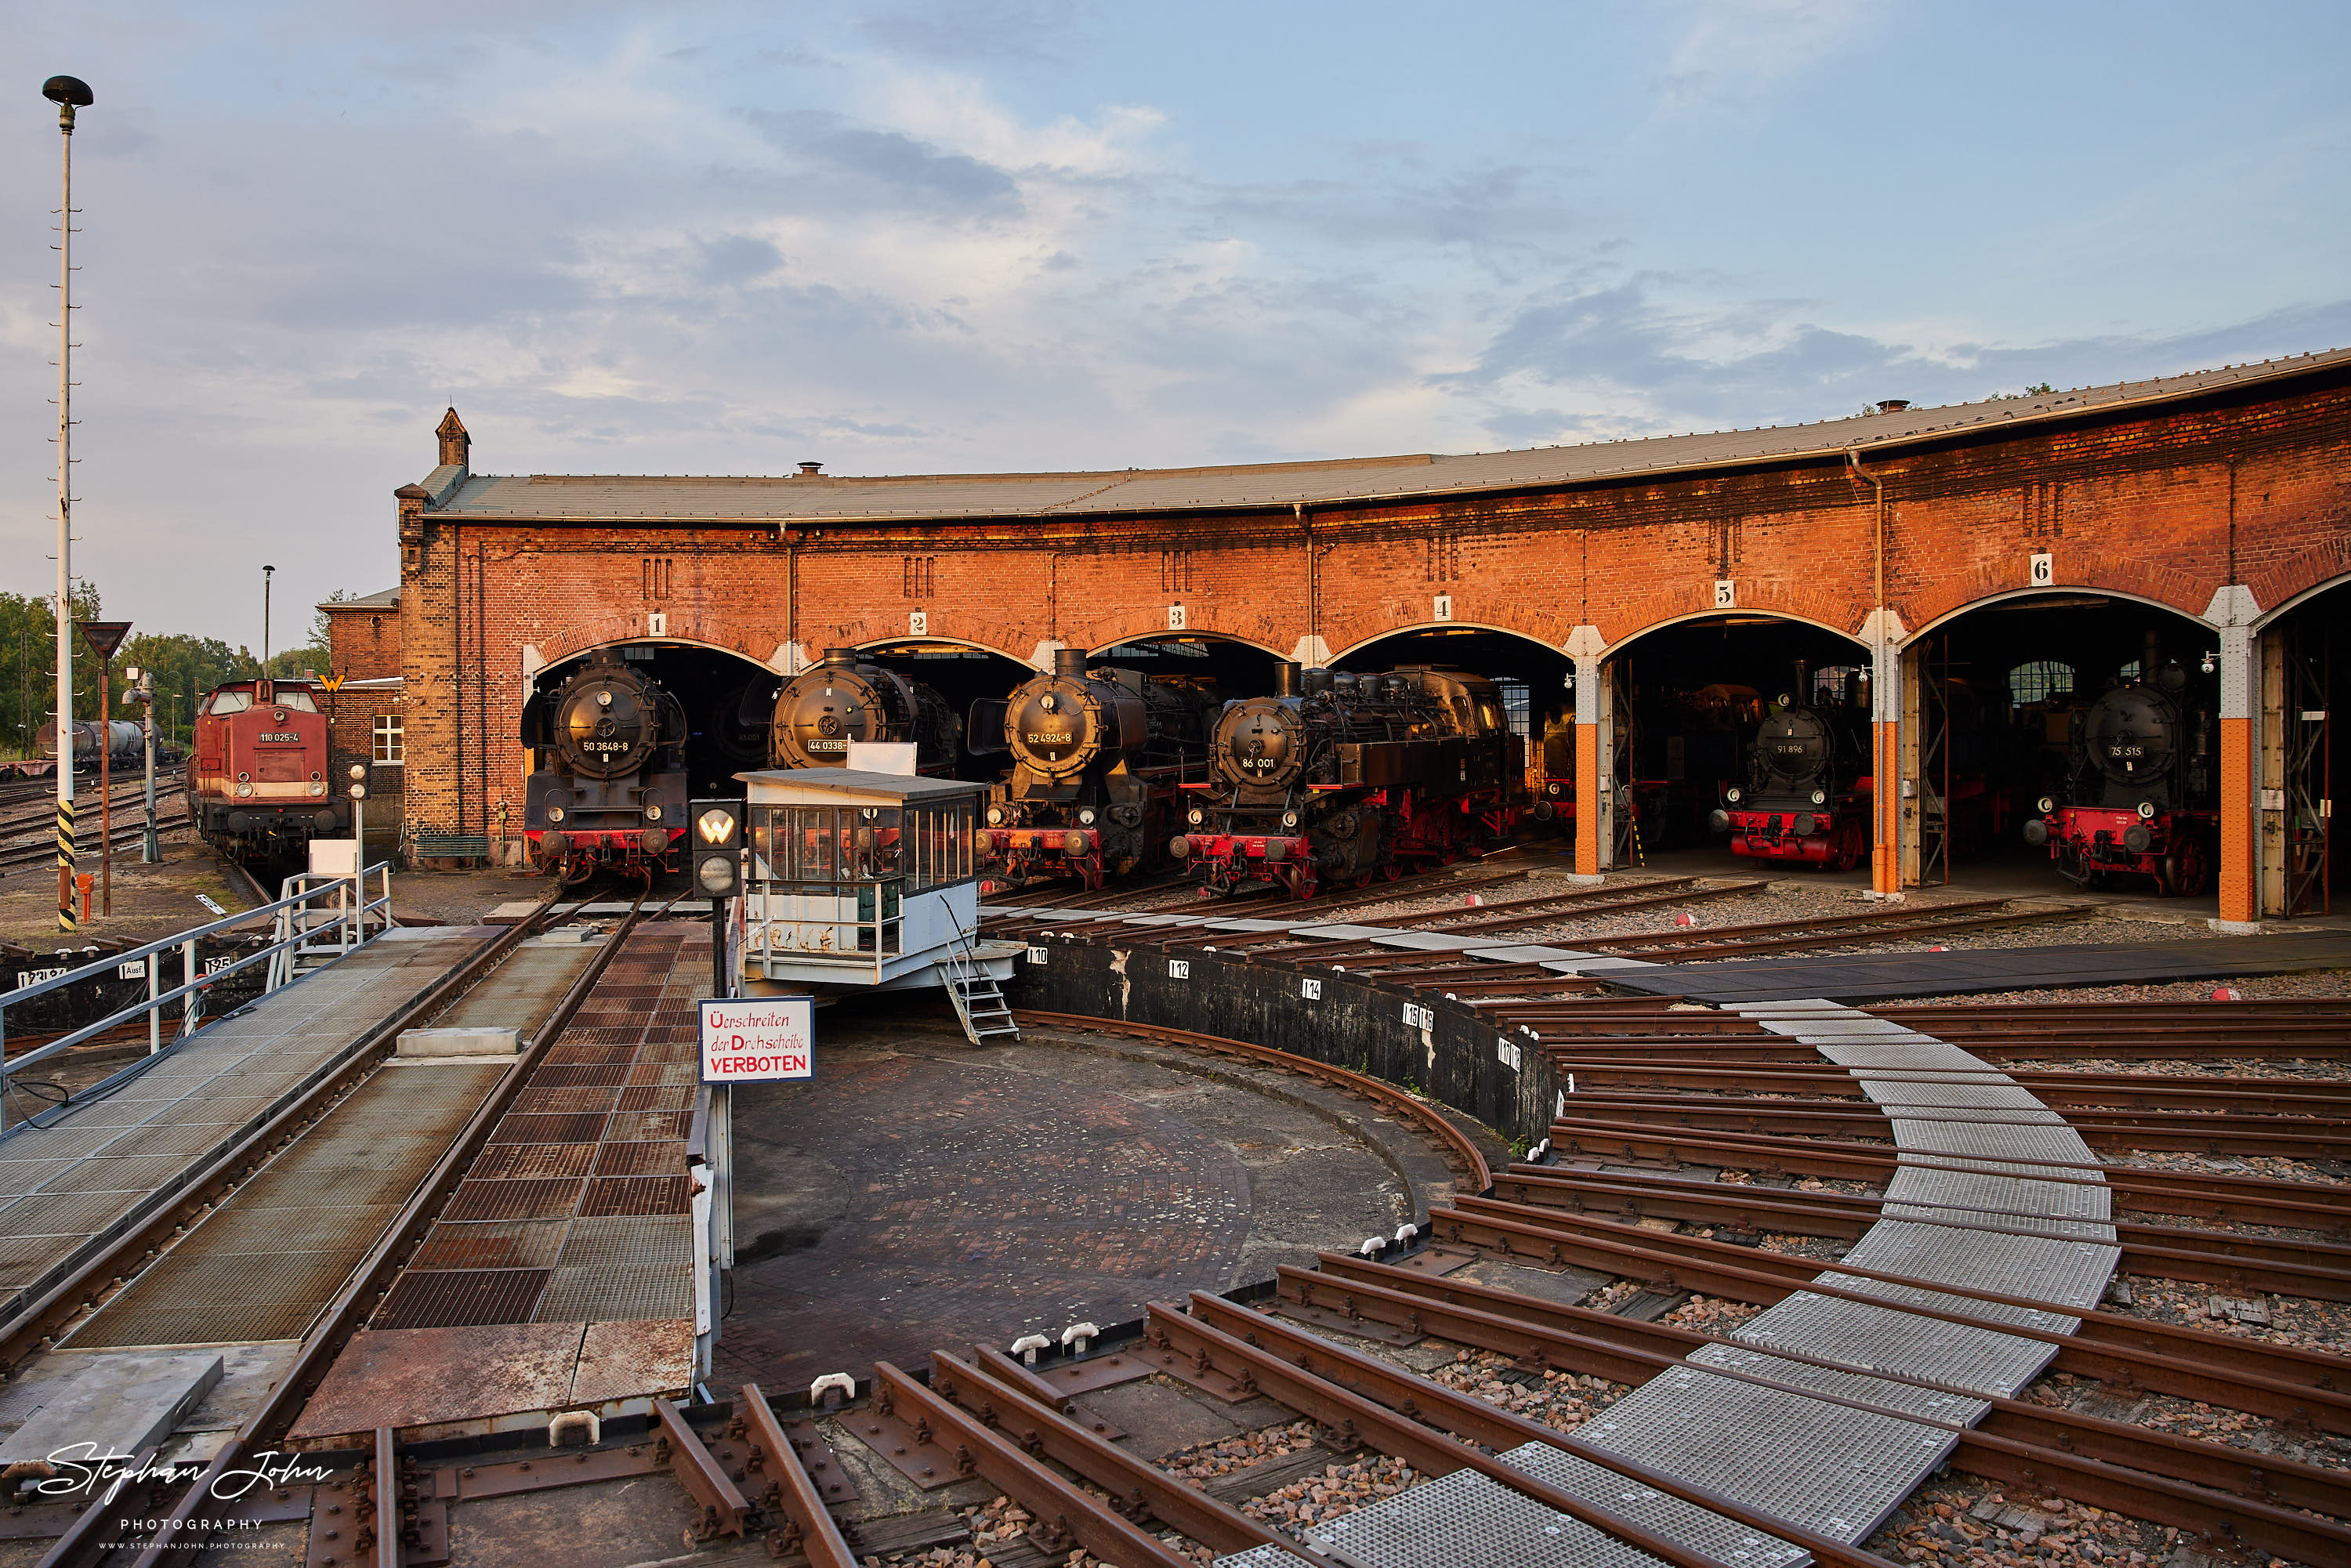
859,881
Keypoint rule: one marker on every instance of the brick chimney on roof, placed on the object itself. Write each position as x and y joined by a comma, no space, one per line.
455,442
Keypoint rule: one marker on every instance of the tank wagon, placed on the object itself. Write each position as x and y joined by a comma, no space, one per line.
841,698
607,782
125,742
2140,794
258,767
1339,777
1806,799
1099,759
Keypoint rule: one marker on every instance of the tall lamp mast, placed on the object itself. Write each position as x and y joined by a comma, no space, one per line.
68,93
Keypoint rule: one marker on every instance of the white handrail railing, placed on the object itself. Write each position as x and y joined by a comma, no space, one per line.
353,909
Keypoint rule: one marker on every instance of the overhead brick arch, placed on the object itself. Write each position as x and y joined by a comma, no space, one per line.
2020,595
615,631
1619,645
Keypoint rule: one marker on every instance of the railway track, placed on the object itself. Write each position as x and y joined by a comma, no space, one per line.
130,797
86,839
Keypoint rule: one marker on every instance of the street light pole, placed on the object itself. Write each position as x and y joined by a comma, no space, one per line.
67,93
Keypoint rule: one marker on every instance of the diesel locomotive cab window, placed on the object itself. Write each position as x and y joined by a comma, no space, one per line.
229,702
294,701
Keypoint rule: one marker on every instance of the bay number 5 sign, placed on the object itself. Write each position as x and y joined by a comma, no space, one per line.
758,1039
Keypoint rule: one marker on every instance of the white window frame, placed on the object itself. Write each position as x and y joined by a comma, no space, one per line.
389,742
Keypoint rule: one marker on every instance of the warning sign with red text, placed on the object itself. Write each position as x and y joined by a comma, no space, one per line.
758,1039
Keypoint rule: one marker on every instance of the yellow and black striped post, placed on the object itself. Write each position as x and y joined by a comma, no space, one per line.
66,921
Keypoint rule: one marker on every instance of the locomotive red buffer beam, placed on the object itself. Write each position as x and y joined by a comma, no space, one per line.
1048,852
1822,838
2098,840
550,846
1238,848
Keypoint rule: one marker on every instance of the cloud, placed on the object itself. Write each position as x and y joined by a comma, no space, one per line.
865,166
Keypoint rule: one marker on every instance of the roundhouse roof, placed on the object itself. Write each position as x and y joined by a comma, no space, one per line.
800,498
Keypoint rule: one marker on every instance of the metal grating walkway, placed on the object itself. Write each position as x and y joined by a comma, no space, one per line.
70,1187
578,1208
1994,1227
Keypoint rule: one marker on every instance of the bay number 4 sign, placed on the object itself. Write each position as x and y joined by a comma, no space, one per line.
758,1039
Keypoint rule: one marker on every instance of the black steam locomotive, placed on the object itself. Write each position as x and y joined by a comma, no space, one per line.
1353,777
1098,756
607,782
1801,804
840,699
2141,790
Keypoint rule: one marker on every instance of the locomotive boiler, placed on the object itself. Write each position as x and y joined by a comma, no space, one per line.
1098,759
607,782
258,771
1339,777
1801,804
841,698
2140,792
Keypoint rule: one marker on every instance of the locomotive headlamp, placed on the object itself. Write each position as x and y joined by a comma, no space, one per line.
1047,703
1733,796
2146,811
317,787
1290,819
1820,797
603,699
555,813
1196,816
996,816
717,847
653,812
2047,805
1086,817
245,788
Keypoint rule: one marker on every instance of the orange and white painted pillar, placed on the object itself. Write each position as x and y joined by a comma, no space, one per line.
1594,791
2232,611
1883,634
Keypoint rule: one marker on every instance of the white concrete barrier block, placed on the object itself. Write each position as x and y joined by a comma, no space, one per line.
440,1044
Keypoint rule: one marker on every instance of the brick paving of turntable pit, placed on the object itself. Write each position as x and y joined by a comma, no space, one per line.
963,1199
578,1207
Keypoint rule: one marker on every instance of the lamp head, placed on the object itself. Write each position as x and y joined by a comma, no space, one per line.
71,91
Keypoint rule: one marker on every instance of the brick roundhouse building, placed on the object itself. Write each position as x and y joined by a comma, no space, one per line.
2210,512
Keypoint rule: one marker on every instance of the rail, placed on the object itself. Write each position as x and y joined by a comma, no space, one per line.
354,911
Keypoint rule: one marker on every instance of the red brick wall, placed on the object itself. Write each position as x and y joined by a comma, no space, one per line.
2166,505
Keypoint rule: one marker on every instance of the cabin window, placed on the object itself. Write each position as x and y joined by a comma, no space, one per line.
225,703
295,701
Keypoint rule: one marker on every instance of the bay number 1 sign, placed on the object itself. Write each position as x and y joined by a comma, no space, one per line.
758,1039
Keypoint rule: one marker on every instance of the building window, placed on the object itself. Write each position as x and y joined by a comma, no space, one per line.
389,751
2040,681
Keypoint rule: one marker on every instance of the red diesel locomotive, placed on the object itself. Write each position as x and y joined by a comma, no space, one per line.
258,771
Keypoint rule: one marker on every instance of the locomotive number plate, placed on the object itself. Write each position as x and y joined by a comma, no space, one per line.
268,735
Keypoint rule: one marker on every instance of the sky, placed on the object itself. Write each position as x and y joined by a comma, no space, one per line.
982,235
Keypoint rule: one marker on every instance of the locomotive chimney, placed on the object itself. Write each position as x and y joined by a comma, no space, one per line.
1070,662
1285,678
1318,681
2151,660
811,470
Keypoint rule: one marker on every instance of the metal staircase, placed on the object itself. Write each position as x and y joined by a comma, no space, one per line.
978,1001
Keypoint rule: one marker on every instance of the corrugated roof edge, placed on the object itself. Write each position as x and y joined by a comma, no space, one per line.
383,599
1915,427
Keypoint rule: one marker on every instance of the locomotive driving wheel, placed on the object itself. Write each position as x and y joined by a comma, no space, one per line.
2187,871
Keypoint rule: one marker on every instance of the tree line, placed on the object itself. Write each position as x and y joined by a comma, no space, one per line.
185,668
